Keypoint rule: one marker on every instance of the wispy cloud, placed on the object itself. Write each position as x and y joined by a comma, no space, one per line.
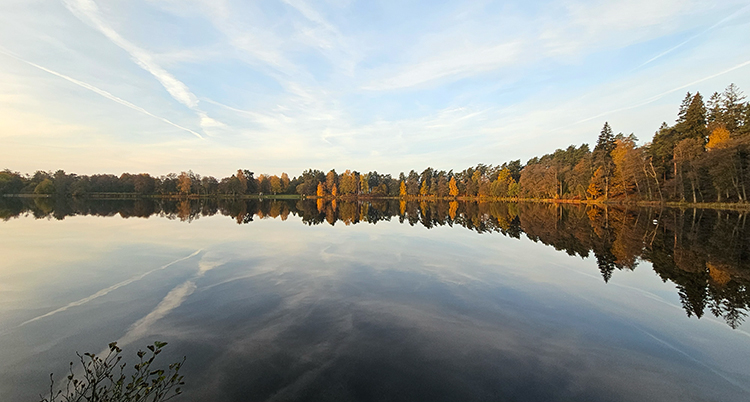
171,301
88,11
100,92
384,86
458,63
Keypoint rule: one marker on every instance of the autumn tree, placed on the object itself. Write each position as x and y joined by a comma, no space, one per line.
184,183
452,187
348,183
243,180
321,192
144,184
331,180
284,182
719,138
209,184
275,183
627,162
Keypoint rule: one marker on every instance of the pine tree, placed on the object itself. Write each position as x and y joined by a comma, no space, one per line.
733,107
684,107
602,155
692,122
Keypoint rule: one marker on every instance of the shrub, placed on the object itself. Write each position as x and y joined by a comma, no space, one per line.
103,379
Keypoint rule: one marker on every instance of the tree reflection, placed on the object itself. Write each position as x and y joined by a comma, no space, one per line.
705,253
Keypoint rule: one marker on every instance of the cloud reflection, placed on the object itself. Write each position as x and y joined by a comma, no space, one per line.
105,291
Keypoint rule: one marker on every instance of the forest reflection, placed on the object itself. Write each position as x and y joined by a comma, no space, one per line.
705,253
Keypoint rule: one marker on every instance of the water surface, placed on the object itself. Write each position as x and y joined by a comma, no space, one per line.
382,300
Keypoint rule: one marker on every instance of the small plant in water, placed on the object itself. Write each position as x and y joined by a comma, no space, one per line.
103,379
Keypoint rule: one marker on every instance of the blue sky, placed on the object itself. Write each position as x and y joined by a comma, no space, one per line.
161,86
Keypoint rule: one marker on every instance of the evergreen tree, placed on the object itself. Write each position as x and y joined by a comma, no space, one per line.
602,156
691,122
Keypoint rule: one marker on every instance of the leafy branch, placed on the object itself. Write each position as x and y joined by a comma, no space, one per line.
104,380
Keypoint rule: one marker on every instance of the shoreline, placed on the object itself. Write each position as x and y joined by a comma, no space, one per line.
605,203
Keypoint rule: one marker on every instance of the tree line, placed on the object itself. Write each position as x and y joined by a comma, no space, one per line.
705,253
703,157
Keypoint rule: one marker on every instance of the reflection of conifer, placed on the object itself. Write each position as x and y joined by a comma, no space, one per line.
706,254
606,264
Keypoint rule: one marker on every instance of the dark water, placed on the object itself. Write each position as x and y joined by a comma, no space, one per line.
305,300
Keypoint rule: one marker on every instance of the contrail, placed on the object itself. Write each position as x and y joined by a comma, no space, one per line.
669,345
88,12
107,290
663,94
99,91
664,53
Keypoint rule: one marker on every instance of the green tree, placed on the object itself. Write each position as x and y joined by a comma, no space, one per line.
45,187
412,183
602,156
364,183
692,120
11,182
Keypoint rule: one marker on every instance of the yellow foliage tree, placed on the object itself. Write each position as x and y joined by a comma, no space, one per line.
452,187
334,191
284,181
424,190
184,183
402,191
718,138
276,186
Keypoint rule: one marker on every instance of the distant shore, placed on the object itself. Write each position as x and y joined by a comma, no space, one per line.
613,203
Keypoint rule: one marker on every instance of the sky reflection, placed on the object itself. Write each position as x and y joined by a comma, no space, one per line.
283,311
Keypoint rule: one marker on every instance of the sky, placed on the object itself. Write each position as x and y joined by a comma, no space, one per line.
212,86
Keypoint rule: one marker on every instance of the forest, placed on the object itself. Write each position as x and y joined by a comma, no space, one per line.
704,157
705,253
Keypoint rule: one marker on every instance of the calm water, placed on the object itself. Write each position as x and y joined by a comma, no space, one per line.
382,301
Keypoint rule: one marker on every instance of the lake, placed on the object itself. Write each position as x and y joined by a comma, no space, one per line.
382,300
